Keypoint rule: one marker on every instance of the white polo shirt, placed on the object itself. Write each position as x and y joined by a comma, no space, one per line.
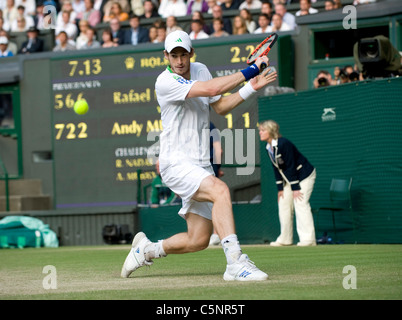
185,121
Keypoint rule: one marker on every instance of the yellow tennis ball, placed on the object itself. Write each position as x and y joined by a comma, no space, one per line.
81,107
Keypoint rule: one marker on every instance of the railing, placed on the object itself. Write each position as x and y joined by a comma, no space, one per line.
5,173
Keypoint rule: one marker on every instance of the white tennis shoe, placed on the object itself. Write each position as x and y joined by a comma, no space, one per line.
244,270
136,257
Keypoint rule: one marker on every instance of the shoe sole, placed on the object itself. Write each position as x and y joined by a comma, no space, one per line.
137,239
228,277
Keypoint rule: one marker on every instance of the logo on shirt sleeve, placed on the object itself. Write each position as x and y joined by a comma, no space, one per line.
182,80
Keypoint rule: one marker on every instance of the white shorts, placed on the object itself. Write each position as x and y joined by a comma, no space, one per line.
184,179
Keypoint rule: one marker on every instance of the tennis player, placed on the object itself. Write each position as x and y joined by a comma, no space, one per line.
185,91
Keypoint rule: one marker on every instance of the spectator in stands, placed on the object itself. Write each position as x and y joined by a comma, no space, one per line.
295,178
171,24
266,8
117,31
263,23
250,4
323,79
11,45
160,34
33,44
329,5
10,13
116,12
22,16
82,39
345,75
197,32
176,8
39,18
92,43
248,19
149,10
287,17
197,15
125,5
137,7
197,5
239,25
338,4
278,24
19,25
2,25
230,4
107,39
303,12
62,43
69,27
78,6
152,33
136,34
67,6
218,28
305,6
90,14
98,5
4,52
217,12
29,5
211,4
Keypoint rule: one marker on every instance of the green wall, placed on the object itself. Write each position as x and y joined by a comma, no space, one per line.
361,139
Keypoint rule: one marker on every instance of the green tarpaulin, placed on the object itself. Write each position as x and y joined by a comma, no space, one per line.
22,232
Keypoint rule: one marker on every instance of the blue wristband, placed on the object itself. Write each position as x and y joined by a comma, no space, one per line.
250,72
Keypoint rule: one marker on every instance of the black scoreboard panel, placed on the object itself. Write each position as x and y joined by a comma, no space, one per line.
97,156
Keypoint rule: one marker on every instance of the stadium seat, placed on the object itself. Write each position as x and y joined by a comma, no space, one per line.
340,199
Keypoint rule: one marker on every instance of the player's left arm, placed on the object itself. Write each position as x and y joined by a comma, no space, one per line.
227,103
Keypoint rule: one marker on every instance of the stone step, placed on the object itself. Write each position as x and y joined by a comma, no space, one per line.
26,202
28,187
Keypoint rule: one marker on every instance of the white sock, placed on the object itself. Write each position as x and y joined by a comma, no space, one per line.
154,250
231,247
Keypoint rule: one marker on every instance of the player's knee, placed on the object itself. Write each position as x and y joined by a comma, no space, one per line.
198,243
221,190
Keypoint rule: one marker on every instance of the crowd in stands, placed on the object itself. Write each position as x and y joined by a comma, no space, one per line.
77,20
342,75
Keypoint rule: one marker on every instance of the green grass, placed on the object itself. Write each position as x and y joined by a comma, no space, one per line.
295,273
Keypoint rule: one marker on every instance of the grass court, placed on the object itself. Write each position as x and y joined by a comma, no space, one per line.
308,273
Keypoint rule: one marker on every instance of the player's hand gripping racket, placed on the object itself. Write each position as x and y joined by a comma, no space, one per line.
262,50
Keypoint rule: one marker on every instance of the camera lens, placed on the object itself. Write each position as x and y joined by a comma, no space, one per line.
323,82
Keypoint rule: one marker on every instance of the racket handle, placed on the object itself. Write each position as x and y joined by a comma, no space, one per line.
263,66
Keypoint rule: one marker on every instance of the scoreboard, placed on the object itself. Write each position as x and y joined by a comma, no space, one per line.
100,156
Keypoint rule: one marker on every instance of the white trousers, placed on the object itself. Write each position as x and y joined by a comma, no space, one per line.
304,217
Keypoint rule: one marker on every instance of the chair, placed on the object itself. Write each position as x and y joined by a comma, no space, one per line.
339,195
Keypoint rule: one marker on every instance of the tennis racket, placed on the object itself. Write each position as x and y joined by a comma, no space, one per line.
262,50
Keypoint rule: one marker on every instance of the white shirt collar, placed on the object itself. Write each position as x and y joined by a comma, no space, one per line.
274,143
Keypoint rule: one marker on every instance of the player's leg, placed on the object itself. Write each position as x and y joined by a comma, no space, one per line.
199,230
196,238
216,191
239,266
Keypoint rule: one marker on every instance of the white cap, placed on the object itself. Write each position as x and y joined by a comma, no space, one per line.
3,40
178,38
